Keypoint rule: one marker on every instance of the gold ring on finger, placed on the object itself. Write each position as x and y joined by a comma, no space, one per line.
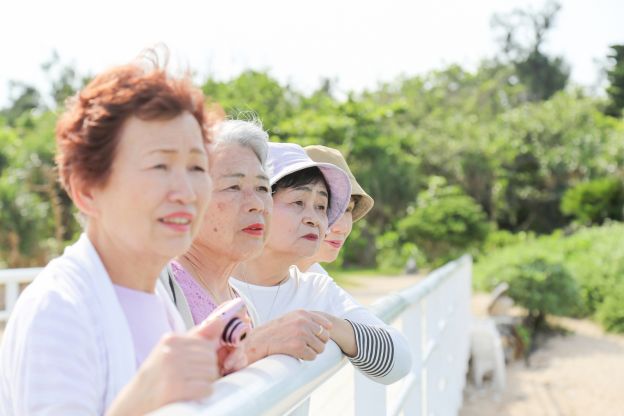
320,331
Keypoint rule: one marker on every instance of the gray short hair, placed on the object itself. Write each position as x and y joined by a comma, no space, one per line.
249,134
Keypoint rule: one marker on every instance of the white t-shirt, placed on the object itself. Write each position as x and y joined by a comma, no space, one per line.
319,292
317,268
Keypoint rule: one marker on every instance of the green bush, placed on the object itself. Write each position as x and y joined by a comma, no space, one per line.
444,223
595,201
392,254
594,257
611,312
542,287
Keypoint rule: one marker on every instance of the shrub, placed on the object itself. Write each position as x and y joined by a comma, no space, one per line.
611,312
595,201
542,287
593,256
444,223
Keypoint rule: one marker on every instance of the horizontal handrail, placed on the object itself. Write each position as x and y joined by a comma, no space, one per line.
278,384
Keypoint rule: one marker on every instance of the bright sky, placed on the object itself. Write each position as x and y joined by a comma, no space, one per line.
358,42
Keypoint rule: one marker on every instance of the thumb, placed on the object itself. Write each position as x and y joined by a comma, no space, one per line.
210,329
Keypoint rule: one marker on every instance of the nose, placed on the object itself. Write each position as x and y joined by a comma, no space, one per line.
254,202
340,226
182,187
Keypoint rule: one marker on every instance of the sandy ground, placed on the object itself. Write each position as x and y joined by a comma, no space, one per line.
581,373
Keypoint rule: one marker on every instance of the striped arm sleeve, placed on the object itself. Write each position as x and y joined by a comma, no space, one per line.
375,356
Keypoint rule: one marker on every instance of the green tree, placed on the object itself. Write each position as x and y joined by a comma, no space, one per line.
615,75
595,201
523,34
444,222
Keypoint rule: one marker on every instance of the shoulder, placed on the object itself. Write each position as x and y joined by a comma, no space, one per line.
312,280
317,268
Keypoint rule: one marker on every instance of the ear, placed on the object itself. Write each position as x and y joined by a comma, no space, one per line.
82,195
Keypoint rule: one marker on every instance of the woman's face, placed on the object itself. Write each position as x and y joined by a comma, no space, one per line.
299,221
336,236
237,220
158,189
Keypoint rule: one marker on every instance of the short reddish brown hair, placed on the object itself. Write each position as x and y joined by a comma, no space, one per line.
87,134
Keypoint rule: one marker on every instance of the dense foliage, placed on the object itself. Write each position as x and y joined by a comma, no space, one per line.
595,201
593,257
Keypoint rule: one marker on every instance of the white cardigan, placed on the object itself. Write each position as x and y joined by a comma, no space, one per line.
67,348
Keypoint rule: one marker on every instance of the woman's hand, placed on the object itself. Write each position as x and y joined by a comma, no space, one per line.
180,367
301,334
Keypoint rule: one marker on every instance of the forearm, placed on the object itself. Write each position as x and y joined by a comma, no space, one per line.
375,350
343,335
132,400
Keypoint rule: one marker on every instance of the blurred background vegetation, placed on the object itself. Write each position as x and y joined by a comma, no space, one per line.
508,162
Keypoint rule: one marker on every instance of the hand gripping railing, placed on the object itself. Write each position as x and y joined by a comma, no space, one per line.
435,315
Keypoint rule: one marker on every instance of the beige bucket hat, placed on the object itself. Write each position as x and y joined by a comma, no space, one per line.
324,154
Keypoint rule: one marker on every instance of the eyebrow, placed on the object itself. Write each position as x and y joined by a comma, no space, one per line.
195,150
242,175
309,189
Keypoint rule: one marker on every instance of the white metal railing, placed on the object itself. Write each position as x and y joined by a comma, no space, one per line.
11,280
435,317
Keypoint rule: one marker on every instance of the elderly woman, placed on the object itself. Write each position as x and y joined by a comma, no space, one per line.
235,229
94,333
308,197
337,234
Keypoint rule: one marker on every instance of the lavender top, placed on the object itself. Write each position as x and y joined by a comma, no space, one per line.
147,318
198,299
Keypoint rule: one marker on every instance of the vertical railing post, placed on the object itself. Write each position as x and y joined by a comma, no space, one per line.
413,332
424,347
370,397
11,293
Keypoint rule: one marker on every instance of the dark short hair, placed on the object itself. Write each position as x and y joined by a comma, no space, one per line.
302,177
87,134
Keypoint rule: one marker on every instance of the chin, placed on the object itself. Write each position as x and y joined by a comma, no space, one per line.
175,247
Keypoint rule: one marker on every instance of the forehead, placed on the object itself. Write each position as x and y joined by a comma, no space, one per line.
316,188
226,158
181,133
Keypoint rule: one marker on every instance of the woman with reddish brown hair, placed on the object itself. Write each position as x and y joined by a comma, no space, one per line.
95,332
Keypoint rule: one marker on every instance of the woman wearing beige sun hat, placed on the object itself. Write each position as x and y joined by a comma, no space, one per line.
358,207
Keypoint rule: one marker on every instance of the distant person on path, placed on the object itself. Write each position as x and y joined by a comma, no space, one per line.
359,205
95,332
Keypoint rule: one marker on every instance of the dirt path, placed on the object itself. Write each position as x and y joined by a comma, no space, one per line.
581,373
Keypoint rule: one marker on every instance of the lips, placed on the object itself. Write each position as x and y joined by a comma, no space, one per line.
311,237
178,221
335,243
256,230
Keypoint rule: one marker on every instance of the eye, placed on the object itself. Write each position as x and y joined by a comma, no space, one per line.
160,166
198,168
263,189
321,207
234,187
298,203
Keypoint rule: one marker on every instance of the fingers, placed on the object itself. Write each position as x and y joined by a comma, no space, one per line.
209,329
308,354
316,344
321,320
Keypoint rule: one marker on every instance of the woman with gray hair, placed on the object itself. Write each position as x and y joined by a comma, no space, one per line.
234,230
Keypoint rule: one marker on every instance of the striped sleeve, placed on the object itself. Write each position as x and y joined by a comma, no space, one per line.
375,356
